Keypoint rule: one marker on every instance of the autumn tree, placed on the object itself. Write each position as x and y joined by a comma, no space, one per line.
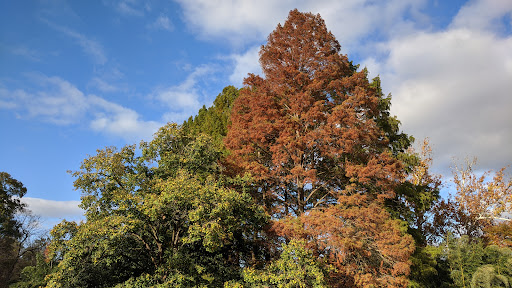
359,239
486,200
308,129
311,133
481,206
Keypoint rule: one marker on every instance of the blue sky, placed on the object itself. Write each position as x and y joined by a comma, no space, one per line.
76,76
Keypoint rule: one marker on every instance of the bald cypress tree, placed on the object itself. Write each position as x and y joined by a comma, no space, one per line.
308,130
314,133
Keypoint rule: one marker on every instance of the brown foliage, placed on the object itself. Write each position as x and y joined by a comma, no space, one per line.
500,234
308,135
307,131
359,239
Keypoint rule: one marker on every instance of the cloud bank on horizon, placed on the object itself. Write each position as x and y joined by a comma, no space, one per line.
448,67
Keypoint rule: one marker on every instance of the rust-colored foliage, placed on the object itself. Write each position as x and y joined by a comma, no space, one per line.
307,131
359,239
308,134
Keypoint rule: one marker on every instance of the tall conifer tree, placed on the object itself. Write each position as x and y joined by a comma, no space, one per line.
310,132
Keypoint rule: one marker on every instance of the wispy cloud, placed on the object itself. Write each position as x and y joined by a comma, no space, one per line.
130,8
57,101
60,102
104,86
108,80
91,47
162,22
26,52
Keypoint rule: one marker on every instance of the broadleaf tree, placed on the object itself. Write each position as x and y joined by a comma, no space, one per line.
159,216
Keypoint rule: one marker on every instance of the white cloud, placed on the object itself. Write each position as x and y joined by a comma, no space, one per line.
355,22
103,85
51,212
454,87
351,21
483,15
60,102
53,209
115,119
245,63
237,21
184,99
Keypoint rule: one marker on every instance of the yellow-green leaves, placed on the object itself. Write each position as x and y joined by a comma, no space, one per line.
297,267
211,214
162,212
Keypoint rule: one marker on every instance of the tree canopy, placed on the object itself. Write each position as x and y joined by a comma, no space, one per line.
301,178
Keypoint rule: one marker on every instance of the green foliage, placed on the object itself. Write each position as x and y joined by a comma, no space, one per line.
464,258
158,217
296,267
390,125
174,149
11,190
423,269
214,120
34,276
486,277
469,263
18,228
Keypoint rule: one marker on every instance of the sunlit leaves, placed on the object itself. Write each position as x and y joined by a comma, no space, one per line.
296,267
156,214
359,239
486,199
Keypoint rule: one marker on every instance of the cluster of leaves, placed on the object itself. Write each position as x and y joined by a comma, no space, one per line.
300,179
